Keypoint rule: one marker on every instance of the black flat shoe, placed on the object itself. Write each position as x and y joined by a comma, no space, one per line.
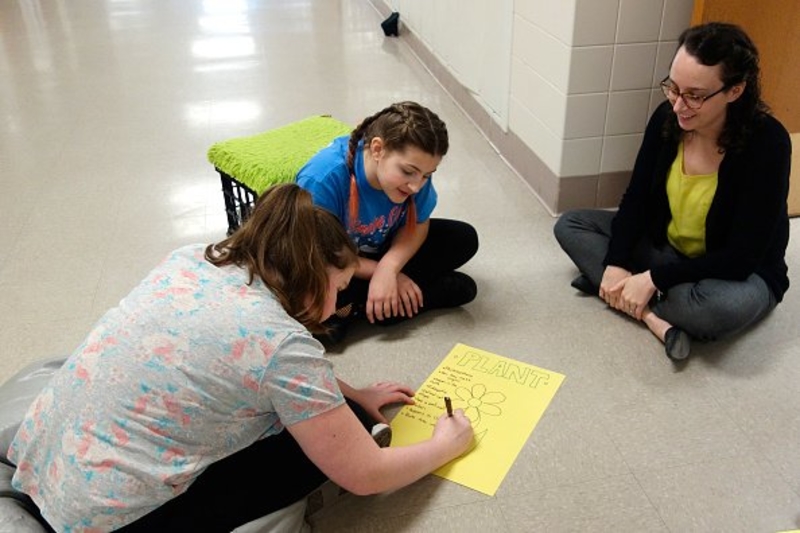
451,289
336,326
336,331
583,284
677,344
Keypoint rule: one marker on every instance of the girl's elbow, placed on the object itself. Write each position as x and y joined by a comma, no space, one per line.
364,486
372,477
365,491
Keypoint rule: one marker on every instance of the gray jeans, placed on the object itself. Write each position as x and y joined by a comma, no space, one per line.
708,309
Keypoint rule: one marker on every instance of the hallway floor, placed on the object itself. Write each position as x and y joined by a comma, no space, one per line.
108,109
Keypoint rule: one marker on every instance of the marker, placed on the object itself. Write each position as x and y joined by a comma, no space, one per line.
449,405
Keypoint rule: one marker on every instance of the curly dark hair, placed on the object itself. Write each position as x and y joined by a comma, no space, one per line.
727,45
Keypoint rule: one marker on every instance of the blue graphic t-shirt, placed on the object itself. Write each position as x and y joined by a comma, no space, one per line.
327,178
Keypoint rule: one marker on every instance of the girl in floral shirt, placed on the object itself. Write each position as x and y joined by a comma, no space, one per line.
178,399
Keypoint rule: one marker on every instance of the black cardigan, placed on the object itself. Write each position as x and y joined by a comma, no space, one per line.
747,227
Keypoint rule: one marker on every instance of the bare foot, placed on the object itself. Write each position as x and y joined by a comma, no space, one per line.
658,326
676,342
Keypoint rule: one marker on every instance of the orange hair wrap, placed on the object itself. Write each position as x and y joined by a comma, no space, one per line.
411,213
353,204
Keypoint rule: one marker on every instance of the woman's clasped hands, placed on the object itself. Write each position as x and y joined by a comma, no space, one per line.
626,292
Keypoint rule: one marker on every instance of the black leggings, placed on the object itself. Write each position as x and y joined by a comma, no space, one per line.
270,474
448,246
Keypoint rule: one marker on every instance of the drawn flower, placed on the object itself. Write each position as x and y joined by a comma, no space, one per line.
480,402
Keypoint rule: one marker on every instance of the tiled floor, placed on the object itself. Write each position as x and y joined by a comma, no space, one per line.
108,109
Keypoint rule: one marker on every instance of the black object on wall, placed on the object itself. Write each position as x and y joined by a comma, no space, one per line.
391,25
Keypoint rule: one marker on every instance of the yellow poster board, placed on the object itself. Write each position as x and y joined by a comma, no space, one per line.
503,398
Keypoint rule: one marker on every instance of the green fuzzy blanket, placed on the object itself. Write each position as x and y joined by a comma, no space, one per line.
275,156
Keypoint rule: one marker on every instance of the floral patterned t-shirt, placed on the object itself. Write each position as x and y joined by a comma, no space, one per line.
192,366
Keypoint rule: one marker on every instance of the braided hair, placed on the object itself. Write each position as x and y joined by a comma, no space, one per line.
400,125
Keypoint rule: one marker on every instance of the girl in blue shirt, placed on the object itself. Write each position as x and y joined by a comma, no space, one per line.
378,182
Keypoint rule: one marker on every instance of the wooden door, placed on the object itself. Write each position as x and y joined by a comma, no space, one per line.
774,25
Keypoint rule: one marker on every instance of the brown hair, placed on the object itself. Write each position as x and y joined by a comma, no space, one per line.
288,243
400,125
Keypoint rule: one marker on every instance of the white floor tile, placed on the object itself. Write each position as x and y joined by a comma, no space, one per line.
108,111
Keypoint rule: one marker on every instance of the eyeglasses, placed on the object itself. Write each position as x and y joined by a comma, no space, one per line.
692,101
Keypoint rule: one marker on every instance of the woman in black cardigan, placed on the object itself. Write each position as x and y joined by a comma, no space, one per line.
696,248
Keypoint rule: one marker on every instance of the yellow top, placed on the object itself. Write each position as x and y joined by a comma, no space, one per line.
689,200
